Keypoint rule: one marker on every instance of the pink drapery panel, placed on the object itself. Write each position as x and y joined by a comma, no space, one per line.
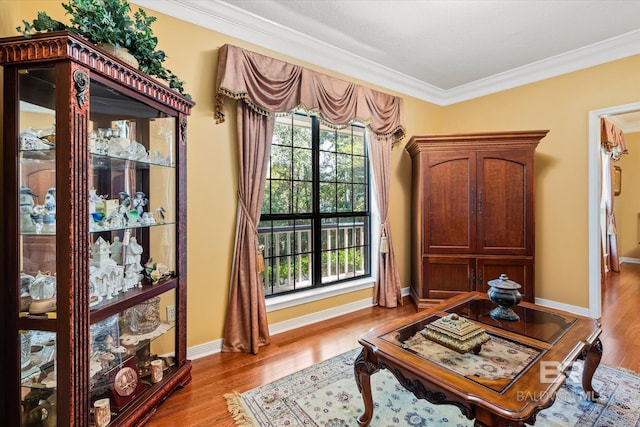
613,144
387,290
269,86
612,139
246,327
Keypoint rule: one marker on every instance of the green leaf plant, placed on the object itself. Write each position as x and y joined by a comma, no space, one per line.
110,21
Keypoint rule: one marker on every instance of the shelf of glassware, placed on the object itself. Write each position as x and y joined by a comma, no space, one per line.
132,351
38,375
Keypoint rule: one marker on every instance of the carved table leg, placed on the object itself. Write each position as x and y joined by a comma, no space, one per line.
594,354
363,368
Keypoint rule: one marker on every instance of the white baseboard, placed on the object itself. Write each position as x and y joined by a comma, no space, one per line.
215,346
629,260
581,311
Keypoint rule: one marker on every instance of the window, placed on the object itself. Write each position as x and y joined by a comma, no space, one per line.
314,224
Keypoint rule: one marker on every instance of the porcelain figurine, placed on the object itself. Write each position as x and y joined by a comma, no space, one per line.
116,250
26,207
139,202
133,266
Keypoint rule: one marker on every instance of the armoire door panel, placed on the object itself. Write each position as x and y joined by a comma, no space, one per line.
449,194
504,202
520,270
445,277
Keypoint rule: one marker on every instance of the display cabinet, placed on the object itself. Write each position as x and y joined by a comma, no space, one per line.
93,236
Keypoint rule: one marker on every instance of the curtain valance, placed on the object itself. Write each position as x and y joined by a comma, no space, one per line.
612,139
271,86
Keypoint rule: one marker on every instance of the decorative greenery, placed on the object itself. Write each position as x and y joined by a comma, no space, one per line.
110,21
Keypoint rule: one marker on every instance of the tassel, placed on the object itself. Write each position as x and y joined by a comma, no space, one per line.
384,245
260,259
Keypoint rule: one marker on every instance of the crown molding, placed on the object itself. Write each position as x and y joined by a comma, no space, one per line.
598,53
227,19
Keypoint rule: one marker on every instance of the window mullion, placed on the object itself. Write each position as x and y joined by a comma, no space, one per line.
316,222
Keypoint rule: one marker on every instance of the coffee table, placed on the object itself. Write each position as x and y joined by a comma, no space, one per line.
545,341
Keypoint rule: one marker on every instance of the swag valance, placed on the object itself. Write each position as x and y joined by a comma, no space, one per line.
271,86
612,139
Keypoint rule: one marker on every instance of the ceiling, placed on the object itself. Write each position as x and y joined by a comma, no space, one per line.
440,51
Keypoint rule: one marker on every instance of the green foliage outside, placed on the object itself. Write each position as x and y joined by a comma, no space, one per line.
343,187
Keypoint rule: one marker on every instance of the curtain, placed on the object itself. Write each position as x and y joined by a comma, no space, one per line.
267,86
613,145
246,328
387,290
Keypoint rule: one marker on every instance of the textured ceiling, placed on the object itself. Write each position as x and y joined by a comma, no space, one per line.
441,51
452,43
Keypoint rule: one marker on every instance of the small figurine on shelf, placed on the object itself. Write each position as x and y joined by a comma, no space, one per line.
94,200
139,202
116,250
50,200
125,199
133,267
26,207
148,218
161,211
49,211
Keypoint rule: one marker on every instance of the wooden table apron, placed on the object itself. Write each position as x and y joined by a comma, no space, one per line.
516,405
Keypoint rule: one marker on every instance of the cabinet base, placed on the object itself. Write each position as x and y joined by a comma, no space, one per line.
142,410
423,303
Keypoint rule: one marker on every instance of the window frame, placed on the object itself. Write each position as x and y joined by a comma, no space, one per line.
317,289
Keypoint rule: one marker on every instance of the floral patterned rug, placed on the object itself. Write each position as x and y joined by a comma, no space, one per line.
326,395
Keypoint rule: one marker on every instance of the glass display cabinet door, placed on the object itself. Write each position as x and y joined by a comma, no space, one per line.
37,287
132,235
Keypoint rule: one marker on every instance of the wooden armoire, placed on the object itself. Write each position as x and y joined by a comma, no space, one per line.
472,212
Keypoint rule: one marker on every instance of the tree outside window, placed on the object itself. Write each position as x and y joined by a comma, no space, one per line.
314,225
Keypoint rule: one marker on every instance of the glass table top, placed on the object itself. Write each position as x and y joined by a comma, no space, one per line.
534,322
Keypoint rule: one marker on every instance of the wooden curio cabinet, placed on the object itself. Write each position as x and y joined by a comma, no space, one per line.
472,212
94,167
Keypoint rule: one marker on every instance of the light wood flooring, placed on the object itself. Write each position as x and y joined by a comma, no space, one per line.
201,403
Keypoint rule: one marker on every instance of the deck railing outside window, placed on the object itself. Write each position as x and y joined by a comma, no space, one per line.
289,261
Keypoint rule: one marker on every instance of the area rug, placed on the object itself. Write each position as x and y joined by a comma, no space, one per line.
326,395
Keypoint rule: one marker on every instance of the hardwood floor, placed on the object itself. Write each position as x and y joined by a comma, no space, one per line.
201,403
621,318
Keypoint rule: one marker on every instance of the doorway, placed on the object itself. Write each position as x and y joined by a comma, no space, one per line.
594,185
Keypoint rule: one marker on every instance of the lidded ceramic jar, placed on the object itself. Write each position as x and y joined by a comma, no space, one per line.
504,293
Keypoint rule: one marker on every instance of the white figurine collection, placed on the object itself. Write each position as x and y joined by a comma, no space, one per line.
128,212
115,267
112,143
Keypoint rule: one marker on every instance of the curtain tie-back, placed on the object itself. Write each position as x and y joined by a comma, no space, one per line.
611,225
252,225
384,241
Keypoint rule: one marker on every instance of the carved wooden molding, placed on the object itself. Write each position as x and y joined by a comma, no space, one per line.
59,45
81,84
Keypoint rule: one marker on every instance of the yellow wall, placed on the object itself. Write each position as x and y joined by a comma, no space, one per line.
212,160
560,104
627,204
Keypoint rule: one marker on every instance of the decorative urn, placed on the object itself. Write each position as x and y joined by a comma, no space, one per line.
504,293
